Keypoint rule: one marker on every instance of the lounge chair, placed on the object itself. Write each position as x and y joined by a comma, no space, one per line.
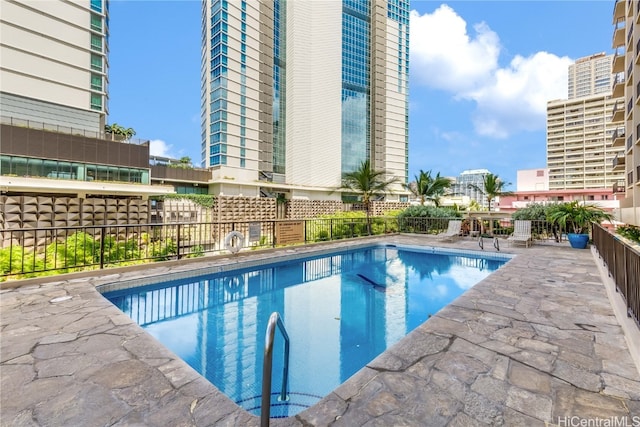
453,230
521,233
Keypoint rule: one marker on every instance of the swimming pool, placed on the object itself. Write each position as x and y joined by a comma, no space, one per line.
340,310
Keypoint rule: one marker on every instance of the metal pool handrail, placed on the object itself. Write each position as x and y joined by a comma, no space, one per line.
267,366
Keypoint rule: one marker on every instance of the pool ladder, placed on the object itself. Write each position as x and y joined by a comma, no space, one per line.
267,367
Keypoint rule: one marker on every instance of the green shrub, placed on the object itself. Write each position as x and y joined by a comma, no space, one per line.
79,249
426,219
162,250
424,211
14,260
124,250
629,231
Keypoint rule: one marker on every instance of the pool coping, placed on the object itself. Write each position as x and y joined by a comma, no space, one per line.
80,360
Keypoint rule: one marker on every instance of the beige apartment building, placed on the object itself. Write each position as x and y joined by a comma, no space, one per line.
54,66
590,75
580,152
626,63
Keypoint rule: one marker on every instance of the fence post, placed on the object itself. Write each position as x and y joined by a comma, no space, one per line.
178,242
273,234
330,229
102,233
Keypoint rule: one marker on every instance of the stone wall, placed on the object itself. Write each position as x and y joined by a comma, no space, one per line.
32,212
58,212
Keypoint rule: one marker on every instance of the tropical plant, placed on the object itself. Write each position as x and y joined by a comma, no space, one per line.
116,129
492,187
368,183
474,206
629,231
576,217
427,187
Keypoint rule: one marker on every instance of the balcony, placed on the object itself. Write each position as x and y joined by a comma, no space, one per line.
617,66
617,88
618,34
618,162
618,112
617,139
618,10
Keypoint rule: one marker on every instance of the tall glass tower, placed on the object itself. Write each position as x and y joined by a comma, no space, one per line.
295,93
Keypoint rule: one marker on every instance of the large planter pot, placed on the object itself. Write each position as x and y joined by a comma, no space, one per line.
578,241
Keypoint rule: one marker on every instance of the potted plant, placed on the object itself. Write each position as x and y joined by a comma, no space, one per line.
575,218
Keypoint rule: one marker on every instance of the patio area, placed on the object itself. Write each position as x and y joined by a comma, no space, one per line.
536,343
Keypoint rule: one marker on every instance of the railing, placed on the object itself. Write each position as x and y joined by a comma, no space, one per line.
29,252
32,124
267,365
623,264
619,187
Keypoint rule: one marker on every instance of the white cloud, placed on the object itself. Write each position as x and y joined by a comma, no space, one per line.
444,56
158,147
509,99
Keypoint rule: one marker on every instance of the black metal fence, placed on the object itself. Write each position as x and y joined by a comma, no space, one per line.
29,252
623,264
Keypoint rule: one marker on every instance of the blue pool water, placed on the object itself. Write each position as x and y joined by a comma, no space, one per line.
340,311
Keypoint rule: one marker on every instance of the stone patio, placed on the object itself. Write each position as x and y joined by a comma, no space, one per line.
535,343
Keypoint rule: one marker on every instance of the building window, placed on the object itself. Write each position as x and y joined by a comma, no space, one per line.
96,22
96,102
96,62
96,5
242,163
96,42
96,82
539,173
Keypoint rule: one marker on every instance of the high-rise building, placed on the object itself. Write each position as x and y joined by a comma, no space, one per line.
590,75
580,152
295,93
626,42
53,108
54,66
470,183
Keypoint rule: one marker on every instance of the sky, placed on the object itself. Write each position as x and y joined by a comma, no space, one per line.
481,73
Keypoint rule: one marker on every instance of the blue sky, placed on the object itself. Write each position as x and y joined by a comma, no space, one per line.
481,73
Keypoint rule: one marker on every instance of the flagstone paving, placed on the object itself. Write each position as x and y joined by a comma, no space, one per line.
535,343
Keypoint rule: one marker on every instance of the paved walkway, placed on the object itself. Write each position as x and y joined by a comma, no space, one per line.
536,343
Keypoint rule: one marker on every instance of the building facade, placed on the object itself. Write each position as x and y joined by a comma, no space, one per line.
54,66
590,75
470,183
626,63
580,152
295,93
54,103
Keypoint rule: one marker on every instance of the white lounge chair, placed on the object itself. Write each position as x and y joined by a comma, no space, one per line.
453,230
521,233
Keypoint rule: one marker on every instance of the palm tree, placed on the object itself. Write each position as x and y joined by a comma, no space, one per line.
492,187
369,183
426,187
